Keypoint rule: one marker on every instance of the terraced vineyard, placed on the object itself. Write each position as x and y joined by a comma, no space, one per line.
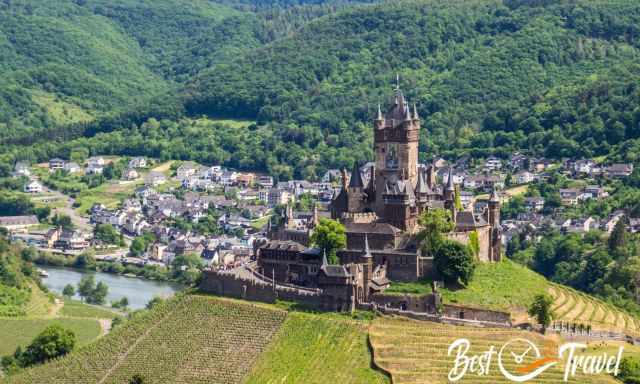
317,349
190,339
415,352
579,308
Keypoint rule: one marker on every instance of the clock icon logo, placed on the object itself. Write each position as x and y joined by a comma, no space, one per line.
527,358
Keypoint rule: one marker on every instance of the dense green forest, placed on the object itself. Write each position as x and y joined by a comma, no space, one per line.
554,78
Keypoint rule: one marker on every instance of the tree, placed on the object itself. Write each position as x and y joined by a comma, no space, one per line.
69,290
86,286
153,302
454,262
63,221
53,342
85,260
137,379
138,246
435,222
329,235
99,294
618,237
541,310
107,234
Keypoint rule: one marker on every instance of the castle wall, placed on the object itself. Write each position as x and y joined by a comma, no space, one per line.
422,303
484,239
476,314
229,285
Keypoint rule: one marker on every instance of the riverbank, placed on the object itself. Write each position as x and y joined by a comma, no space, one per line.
137,291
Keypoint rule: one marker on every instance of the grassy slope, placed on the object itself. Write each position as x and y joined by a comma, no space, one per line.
21,331
73,308
317,349
511,287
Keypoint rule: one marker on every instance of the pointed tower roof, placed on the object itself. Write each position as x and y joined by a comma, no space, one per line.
407,116
494,196
379,117
324,258
367,252
415,112
450,180
422,187
356,177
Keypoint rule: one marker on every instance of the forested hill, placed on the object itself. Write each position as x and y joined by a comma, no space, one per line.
73,62
544,77
555,78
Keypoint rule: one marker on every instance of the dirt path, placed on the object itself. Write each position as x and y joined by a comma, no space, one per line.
105,326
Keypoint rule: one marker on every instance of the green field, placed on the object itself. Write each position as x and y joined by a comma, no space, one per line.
20,331
73,308
491,287
317,349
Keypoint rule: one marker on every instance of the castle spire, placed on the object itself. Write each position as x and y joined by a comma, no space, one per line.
415,112
407,116
450,180
397,88
324,258
494,196
356,177
379,118
367,252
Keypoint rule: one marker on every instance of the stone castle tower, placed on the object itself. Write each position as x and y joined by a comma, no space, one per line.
396,136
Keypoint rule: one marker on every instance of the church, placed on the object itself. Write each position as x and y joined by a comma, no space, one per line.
379,210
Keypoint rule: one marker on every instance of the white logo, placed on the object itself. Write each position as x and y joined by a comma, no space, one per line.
520,360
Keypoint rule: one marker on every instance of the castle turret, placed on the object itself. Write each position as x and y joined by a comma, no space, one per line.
495,250
367,259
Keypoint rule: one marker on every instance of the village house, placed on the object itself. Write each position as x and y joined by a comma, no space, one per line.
610,222
466,199
265,181
55,164
186,169
279,196
594,192
581,225
70,240
18,223
518,161
493,163
33,186
71,167
540,165
95,165
523,177
332,175
245,179
619,170
21,169
569,196
138,162
534,204
155,178
130,174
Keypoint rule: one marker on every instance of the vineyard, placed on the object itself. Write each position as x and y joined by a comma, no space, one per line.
317,349
576,307
416,352
190,339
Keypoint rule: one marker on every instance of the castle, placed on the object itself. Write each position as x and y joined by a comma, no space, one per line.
380,212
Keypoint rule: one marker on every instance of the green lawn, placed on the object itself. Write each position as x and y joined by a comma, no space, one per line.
73,308
313,348
21,331
501,286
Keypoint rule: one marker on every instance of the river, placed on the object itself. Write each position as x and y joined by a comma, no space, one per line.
138,291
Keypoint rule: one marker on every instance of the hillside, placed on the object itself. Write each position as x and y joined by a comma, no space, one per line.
485,74
555,78
424,358
492,286
201,339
